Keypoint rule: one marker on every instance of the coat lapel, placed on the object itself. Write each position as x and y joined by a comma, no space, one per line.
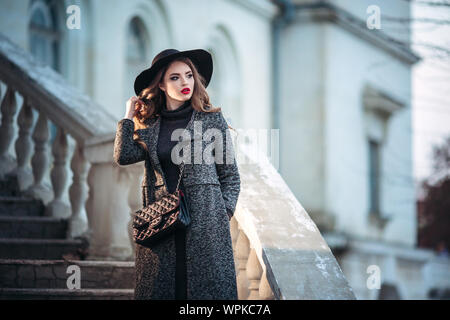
152,143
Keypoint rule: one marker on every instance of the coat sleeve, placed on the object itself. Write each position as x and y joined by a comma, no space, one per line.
228,173
126,150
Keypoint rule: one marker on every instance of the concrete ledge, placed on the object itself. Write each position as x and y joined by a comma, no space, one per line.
21,206
39,248
32,227
9,187
85,263
316,275
52,274
66,294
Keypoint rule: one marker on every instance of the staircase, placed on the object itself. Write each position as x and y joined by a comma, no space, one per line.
35,255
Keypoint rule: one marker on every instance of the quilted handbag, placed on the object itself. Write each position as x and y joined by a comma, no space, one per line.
161,218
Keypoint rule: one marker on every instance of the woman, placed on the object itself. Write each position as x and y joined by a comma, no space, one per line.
196,263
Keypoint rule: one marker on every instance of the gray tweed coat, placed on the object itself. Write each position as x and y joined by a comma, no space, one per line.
212,191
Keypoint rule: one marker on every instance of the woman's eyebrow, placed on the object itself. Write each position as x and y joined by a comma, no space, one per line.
178,73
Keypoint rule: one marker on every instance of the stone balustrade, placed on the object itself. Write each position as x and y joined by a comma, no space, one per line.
41,165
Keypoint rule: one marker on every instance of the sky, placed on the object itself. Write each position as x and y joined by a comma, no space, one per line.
430,87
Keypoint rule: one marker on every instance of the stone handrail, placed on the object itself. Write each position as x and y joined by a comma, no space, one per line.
50,93
284,254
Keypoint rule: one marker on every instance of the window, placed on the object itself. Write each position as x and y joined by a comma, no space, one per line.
136,54
44,35
45,39
374,177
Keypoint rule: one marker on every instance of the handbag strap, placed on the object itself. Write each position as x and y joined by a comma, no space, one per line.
182,163
179,177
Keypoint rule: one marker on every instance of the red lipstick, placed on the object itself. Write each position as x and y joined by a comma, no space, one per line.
186,91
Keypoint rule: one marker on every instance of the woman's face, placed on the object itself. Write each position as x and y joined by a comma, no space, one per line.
178,82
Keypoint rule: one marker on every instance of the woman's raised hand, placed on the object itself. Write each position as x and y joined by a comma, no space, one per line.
132,107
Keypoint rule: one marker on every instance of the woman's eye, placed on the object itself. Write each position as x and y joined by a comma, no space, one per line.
176,78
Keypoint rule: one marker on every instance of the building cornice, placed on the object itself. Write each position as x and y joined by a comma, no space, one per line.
326,12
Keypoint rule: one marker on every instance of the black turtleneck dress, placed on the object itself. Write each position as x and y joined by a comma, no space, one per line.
171,120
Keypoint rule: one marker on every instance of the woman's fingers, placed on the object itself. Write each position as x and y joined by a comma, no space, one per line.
134,105
138,106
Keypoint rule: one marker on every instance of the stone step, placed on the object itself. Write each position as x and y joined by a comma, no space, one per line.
52,274
21,206
32,227
9,187
14,248
66,294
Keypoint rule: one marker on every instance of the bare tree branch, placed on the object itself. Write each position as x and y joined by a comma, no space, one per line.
430,3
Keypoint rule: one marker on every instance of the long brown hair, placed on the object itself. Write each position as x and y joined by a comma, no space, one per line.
154,98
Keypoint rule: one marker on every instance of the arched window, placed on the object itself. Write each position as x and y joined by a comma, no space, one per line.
136,54
224,88
214,92
45,38
44,35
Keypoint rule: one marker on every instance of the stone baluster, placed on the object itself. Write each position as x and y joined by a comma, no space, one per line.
24,146
78,192
8,109
234,231
40,160
57,207
106,207
242,252
251,275
134,201
265,292
254,272
130,235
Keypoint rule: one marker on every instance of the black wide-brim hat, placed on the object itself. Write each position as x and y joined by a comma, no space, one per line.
201,58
